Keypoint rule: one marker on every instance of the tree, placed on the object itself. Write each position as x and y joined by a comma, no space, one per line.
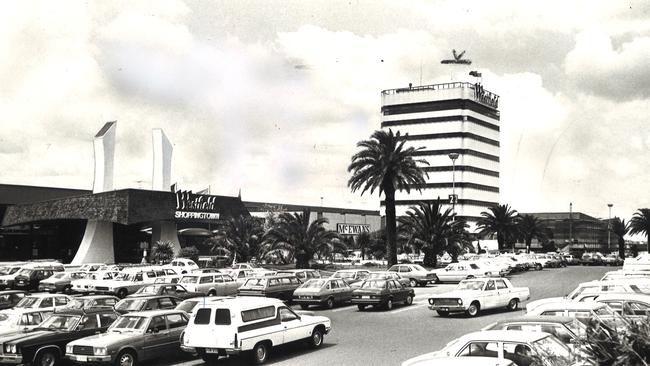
294,236
640,224
429,229
530,227
363,242
620,228
500,220
162,252
240,236
189,252
385,164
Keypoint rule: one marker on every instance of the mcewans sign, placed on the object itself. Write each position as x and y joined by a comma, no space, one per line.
352,229
195,206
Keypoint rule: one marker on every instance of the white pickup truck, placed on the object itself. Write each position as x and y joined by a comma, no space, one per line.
473,295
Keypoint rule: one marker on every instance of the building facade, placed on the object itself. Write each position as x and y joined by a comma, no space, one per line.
576,231
453,120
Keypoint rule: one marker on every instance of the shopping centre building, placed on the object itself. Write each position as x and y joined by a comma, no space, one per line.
108,225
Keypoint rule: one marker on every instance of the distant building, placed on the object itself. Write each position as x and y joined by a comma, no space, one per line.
588,233
459,120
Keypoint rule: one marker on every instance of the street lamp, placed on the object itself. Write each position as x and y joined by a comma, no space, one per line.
453,157
609,223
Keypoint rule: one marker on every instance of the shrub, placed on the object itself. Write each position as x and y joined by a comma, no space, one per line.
370,264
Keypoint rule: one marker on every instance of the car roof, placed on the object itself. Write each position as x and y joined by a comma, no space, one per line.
577,305
40,295
244,302
504,335
537,319
462,361
149,297
92,297
152,313
624,296
12,292
75,311
617,281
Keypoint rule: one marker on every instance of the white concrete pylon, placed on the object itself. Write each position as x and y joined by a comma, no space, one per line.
97,243
162,161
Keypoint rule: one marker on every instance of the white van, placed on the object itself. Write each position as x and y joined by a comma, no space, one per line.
250,325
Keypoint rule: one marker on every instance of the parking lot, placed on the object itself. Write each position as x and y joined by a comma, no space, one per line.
389,337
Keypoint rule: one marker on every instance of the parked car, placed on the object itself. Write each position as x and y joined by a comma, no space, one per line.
8,281
21,320
44,302
279,287
622,274
323,291
632,285
571,259
8,273
382,293
302,274
170,289
239,275
46,344
127,282
182,265
131,339
582,311
258,323
351,275
517,346
248,266
415,273
566,329
9,299
612,260
463,361
384,275
60,282
29,278
188,305
592,259
145,303
93,301
475,295
456,272
88,283
207,270
211,284
628,304
638,263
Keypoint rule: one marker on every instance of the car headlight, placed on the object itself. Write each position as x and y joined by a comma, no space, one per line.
68,349
460,301
99,351
431,301
10,348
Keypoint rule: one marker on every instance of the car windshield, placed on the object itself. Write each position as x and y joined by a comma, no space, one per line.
123,277
578,328
78,275
131,323
187,306
60,322
313,284
374,284
189,279
8,270
59,275
418,267
604,311
470,285
255,282
379,275
27,302
130,305
26,272
343,275
149,290
552,350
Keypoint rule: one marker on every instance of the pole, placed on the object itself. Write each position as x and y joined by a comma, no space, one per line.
453,157
609,230
571,224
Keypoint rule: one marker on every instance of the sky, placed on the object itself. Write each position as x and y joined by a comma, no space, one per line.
271,97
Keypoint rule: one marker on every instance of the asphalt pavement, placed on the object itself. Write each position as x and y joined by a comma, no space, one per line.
380,337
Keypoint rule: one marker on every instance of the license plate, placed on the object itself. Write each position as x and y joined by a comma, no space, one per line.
444,309
365,297
81,358
211,350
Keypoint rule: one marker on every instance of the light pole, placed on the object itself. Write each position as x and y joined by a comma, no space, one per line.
609,223
453,157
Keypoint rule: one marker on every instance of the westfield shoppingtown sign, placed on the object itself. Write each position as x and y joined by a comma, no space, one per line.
195,206
352,229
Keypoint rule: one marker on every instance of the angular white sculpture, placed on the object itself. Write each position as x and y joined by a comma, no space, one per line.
97,243
162,171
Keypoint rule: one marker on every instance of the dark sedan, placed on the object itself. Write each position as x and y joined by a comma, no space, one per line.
9,299
382,293
45,344
144,303
171,289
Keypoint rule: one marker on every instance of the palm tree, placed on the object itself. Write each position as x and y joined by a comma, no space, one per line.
293,236
238,236
530,227
620,228
363,242
429,229
385,164
502,220
162,252
640,224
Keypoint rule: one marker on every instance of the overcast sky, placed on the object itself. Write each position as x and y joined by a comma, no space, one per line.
270,97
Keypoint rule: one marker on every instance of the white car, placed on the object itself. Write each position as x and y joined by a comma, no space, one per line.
87,283
43,302
628,304
127,282
640,263
579,310
21,319
415,273
211,284
475,295
456,272
631,285
519,346
622,274
182,265
231,326
463,361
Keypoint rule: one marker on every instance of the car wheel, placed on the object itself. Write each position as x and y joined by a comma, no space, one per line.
121,293
329,303
470,277
361,307
513,305
473,309
316,339
443,313
209,358
260,353
413,282
389,304
67,289
212,293
48,357
125,358
304,306
409,300
538,267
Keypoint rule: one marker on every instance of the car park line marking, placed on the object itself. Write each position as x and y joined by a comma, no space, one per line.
190,362
344,309
407,308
